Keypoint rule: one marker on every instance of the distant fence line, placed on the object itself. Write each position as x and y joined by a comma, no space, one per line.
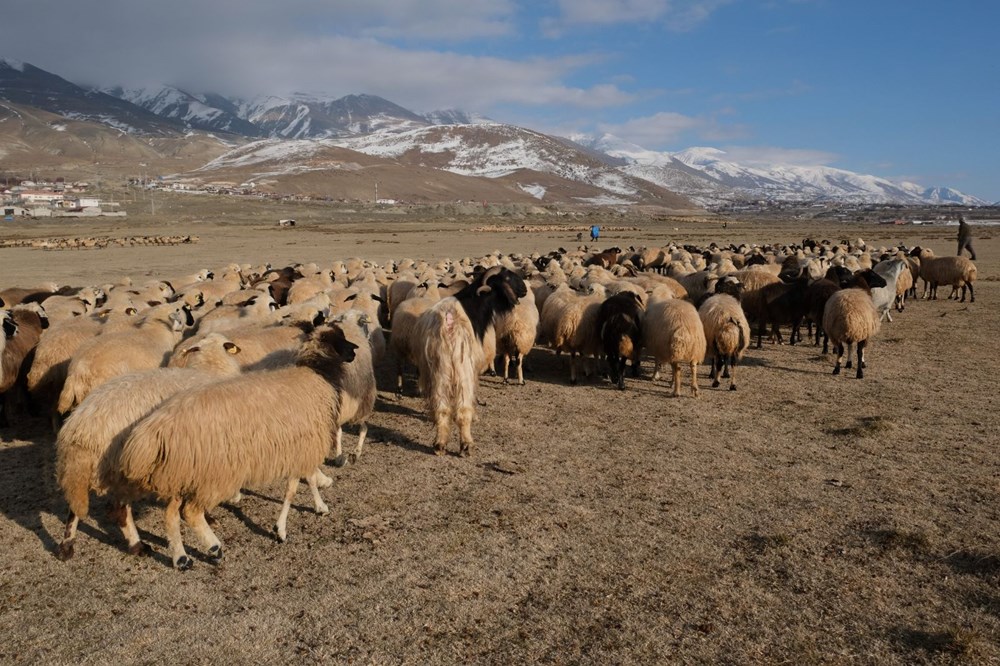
96,242
543,228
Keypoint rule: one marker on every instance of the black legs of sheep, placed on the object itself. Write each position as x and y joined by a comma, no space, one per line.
861,357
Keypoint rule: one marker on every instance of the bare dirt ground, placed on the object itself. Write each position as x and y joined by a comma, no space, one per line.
805,518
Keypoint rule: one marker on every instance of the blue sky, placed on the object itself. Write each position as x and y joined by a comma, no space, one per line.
904,90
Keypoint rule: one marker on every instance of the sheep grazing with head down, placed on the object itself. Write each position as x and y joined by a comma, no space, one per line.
619,328
202,446
89,442
451,334
673,333
29,320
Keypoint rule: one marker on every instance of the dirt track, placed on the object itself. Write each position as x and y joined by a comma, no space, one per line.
805,518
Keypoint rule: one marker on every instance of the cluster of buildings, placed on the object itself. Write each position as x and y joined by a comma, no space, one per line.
53,199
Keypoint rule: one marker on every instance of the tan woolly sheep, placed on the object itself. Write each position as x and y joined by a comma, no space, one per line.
89,442
672,333
201,447
727,335
146,347
850,318
516,331
959,272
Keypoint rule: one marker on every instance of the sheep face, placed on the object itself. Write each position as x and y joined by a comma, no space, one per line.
9,325
508,284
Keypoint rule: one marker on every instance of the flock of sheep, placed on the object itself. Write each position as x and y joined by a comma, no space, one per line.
166,389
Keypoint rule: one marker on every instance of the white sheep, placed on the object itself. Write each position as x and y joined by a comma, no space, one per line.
89,442
201,447
451,334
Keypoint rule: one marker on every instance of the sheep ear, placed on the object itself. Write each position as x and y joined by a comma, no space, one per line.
379,299
231,347
351,297
191,350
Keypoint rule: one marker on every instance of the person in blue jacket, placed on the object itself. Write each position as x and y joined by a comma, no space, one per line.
595,231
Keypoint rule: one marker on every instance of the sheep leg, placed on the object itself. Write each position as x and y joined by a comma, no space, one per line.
861,358
506,368
731,366
338,449
362,434
464,419
572,368
850,353
714,372
621,372
69,537
442,421
322,480
677,379
127,523
172,522
313,481
656,370
195,518
839,350
694,379
282,522
399,378
520,369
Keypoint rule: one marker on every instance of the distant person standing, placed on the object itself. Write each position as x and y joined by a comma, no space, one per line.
595,232
965,238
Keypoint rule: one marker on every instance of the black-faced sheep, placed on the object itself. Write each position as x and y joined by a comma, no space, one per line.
201,447
727,335
619,328
850,318
451,336
29,320
357,390
89,442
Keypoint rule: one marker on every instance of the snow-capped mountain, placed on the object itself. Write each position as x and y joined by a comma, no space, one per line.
461,143
707,176
211,113
23,83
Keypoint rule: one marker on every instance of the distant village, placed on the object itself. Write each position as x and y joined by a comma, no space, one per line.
38,199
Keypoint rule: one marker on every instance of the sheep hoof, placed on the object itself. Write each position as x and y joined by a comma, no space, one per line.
340,460
139,548
836,370
322,510
277,532
715,384
572,382
732,387
65,551
521,383
183,563
439,450
464,452
353,458
849,365
215,554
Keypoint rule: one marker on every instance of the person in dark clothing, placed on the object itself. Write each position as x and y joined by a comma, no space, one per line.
965,238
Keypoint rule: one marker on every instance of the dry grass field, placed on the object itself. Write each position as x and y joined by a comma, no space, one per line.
803,519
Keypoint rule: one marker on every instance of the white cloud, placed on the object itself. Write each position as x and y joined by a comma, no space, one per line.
665,129
678,15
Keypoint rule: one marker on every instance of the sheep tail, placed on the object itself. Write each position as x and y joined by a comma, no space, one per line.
72,393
